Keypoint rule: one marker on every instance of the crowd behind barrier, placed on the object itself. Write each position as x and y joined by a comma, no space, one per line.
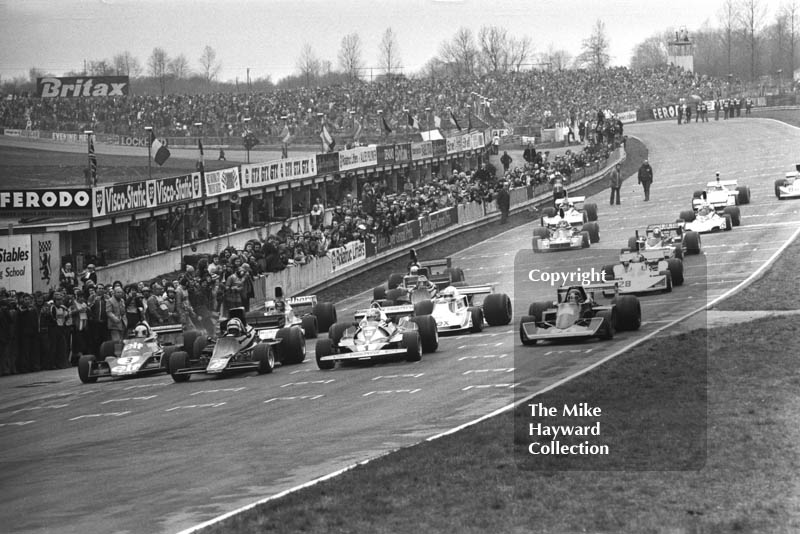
529,97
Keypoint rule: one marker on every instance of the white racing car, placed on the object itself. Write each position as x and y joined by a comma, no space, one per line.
458,309
721,193
645,271
706,219
788,187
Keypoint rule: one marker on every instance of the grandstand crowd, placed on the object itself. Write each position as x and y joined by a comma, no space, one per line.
49,331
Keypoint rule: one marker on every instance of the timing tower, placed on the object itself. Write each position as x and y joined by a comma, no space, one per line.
680,52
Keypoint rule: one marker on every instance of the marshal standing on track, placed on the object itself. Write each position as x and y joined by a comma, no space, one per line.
646,178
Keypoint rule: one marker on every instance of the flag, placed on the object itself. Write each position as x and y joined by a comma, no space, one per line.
158,149
455,121
413,122
437,122
250,140
92,161
357,133
328,142
385,126
201,163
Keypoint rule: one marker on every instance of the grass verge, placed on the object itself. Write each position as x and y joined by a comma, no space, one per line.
473,481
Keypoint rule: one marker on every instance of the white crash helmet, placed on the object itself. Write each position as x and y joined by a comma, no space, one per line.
234,327
373,314
449,292
141,331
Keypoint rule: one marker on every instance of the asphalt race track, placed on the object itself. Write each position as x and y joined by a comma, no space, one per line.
148,455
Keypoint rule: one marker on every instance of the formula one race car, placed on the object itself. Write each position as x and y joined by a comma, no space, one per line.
721,193
576,210
147,351
645,271
558,233
458,309
667,235
422,281
706,219
380,333
247,342
576,315
788,187
312,316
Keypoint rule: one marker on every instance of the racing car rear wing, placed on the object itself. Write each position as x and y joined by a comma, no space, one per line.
436,267
298,302
571,200
724,183
392,312
167,329
665,228
475,290
649,255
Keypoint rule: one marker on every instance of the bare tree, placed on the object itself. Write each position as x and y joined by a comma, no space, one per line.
493,42
309,64
792,20
652,52
157,67
519,51
752,17
209,65
179,67
556,59
728,15
350,55
100,67
461,52
595,49
389,52
126,64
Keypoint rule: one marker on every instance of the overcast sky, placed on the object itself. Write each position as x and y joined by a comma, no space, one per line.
268,35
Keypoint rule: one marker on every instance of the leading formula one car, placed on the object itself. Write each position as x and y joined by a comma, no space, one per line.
459,309
305,312
380,333
576,210
706,219
247,342
721,193
576,315
423,278
667,235
145,352
788,187
558,233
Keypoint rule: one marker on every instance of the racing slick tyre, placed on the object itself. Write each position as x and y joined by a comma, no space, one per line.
735,214
397,295
428,332
668,277
497,309
778,184
423,307
591,211
379,293
106,350
324,348
292,347
633,245
265,357
629,312
594,231
188,341
535,244
607,272
198,347
178,360
691,240
309,325
166,355
84,365
679,252
476,314
548,212
744,194
687,216
522,337
697,194
326,315
540,232
337,331
607,329
586,239
413,346
728,222
536,310
456,274
675,267
395,279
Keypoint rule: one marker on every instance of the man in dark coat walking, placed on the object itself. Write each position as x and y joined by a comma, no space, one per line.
504,203
615,182
646,178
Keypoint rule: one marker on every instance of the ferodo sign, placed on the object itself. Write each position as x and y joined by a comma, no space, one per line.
79,87
45,202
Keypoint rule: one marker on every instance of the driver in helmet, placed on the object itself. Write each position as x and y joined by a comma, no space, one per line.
563,223
373,316
654,239
574,297
141,331
235,328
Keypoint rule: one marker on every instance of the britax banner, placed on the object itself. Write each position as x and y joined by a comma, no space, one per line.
82,86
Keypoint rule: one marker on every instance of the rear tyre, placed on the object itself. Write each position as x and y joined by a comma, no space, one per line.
591,211
292,347
166,355
691,240
536,311
675,267
735,214
265,357
106,349
413,345
395,279
428,333
476,314
178,360
423,307
309,324
397,295
379,293
697,194
188,340
497,309
744,194
456,274
84,366
337,331
198,347
594,231
607,272
522,337
540,232
687,216
326,314
629,312
728,223
586,239
633,245
324,348
549,212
